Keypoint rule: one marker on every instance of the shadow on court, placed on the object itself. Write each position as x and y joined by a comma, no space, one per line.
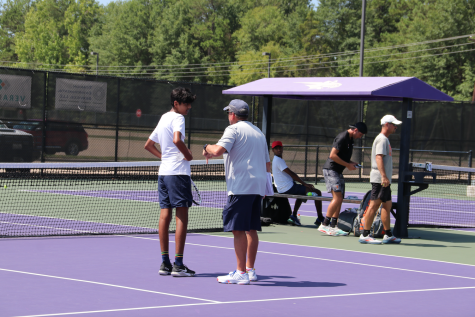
443,236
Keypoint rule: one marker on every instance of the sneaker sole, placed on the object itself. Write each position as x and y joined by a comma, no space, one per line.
365,242
234,282
164,273
391,242
182,274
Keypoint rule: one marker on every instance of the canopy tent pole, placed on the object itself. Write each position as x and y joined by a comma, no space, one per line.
404,188
267,118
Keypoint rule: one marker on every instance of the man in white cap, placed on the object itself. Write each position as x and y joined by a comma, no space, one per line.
246,163
380,179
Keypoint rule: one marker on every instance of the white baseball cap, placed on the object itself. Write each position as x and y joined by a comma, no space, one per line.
390,119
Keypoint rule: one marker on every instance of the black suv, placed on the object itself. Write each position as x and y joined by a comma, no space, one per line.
15,145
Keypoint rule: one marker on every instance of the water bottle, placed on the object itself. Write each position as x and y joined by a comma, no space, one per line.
298,217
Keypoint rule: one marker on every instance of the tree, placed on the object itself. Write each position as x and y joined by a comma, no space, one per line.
123,37
12,22
62,38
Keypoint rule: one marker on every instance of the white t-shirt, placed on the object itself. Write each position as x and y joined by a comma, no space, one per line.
382,146
245,160
282,180
173,162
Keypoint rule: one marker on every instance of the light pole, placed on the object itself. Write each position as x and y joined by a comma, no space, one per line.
268,65
97,62
363,17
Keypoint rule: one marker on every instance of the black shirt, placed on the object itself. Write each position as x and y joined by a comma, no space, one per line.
344,144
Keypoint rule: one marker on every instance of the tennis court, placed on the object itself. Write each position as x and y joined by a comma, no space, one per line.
81,240
117,276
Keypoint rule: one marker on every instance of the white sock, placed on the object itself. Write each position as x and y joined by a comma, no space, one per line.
240,272
249,268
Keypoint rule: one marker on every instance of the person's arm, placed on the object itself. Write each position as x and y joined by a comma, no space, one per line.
213,150
296,178
150,146
380,163
268,167
181,146
334,156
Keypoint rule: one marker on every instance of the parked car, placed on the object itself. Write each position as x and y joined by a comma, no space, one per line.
70,138
15,145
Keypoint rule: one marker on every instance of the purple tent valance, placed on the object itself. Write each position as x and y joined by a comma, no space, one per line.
342,88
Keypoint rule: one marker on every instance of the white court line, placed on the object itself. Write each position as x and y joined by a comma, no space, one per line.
106,284
321,259
254,301
364,252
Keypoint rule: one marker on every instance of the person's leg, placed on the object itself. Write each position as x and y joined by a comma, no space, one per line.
164,224
163,227
385,215
298,203
334,207
318,203
369,216
180,234
240,248
252,246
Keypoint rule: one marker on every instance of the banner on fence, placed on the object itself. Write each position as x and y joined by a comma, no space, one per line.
15,91
80,95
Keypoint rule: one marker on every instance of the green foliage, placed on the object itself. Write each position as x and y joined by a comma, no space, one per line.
12,22
222,41
56,33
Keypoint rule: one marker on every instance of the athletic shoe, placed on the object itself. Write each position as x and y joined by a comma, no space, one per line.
252,274
294,220
323,228
369,240
392,239
235,278
318,222
338,232
165,269
181,270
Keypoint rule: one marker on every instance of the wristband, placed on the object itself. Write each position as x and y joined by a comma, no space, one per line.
204,147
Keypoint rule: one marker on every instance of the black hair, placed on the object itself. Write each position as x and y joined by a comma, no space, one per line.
182,95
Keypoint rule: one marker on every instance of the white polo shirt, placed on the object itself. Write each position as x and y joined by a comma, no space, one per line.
173,162
282,180
245,160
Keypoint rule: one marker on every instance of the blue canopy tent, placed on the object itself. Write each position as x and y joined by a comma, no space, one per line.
405,89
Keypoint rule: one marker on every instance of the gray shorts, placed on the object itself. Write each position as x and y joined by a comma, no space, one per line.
334,181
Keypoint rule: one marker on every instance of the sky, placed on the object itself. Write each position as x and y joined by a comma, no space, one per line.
106,2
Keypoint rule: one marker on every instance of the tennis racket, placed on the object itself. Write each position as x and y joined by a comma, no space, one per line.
196,194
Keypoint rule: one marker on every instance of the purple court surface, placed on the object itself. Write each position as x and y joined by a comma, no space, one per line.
118,276
423,210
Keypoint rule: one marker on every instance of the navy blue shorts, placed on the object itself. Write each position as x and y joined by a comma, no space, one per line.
174,191
242,213
296,189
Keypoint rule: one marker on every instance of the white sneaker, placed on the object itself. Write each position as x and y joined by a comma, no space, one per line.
392,239
235,278
323,228
369,240
252,274
338,232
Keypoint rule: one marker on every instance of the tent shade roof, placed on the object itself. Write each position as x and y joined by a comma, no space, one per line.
342,88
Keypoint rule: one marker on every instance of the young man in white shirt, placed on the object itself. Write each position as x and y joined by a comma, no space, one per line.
174,182
380,179
246,161
284,182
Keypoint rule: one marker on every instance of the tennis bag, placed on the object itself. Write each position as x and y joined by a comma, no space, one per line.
346,219
357,223
377,228
277,208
